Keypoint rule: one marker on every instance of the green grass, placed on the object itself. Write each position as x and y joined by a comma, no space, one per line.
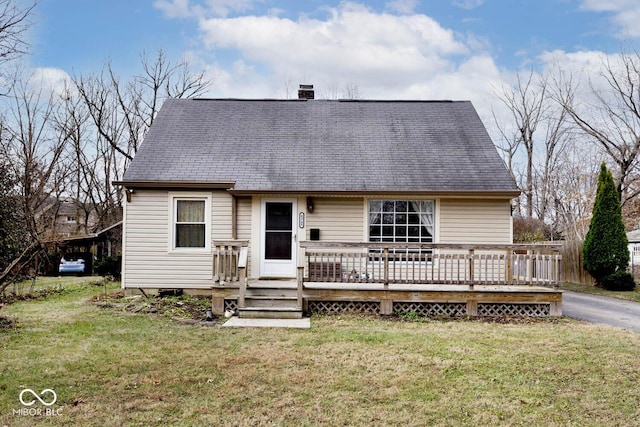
591,289
110,367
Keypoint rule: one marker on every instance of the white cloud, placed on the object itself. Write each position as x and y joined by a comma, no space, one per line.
194,8
352,44
174,8
625,14
404,7
468,4
50,80
386,56
589,72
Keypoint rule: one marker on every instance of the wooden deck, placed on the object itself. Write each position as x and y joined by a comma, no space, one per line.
428,280
426,299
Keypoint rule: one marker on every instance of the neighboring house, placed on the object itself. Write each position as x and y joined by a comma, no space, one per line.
67,217
634,247
73,227
277,176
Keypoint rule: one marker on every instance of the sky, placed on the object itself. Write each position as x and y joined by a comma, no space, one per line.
394,49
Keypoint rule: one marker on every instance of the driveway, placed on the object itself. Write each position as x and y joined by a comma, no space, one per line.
599,309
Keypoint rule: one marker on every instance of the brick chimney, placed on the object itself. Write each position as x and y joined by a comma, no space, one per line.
306,92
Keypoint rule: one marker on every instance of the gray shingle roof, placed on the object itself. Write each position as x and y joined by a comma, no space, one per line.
317,145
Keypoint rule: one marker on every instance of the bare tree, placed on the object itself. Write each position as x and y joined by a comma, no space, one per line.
573,182
123,112
95,165
36,151
527,103
509,144
14,22
335,90
612,117
555,142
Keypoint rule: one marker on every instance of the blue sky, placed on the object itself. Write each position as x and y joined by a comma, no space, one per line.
395,49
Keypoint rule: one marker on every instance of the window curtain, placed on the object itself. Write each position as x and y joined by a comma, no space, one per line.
190,211
190,224
375,212
425,209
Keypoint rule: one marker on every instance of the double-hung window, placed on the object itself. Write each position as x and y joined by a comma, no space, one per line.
402,221
190,223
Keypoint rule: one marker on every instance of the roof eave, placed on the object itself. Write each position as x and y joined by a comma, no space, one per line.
184,185
463,193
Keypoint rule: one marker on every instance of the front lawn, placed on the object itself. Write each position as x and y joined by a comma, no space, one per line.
111,366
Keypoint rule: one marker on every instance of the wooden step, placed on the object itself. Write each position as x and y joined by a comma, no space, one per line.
270,313
271,292
269,301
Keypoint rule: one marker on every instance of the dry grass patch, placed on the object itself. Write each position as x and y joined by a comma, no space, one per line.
592,289
111,367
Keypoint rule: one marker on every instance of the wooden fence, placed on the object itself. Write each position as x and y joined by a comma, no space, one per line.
573,271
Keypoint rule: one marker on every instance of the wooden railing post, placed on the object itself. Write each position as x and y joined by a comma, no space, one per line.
471,266
242,276
300,286
386,267
507,264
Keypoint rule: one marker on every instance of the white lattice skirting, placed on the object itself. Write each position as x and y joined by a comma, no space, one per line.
335,307
430,309
529,310
230,305
427,309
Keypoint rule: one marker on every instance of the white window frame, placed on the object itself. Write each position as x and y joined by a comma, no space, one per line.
408,200
383,199
174,197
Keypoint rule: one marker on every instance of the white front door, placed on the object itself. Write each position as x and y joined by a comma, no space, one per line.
278,247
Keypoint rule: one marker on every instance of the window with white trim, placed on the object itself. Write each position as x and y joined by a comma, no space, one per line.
190,225
401,221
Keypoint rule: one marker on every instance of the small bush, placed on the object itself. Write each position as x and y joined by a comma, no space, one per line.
621,280
109,266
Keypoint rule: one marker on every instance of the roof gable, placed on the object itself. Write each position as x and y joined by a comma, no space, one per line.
321,146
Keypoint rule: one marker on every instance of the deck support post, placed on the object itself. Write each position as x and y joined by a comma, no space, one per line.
217,305
472,308
556,309
386,306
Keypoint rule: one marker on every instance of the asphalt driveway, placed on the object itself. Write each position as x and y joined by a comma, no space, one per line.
599,309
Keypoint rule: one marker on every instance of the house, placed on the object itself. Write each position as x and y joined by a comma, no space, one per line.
67,217
633,238
322,193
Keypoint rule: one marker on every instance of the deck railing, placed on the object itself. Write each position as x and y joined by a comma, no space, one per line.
227,265
435,263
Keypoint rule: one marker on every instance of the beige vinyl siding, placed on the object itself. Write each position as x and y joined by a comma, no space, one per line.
150,262
221,215
339,219
243,223
474,221
243,218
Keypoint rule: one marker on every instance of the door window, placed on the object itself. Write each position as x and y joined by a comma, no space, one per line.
278,230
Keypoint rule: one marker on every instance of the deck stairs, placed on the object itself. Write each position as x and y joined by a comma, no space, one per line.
271,299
